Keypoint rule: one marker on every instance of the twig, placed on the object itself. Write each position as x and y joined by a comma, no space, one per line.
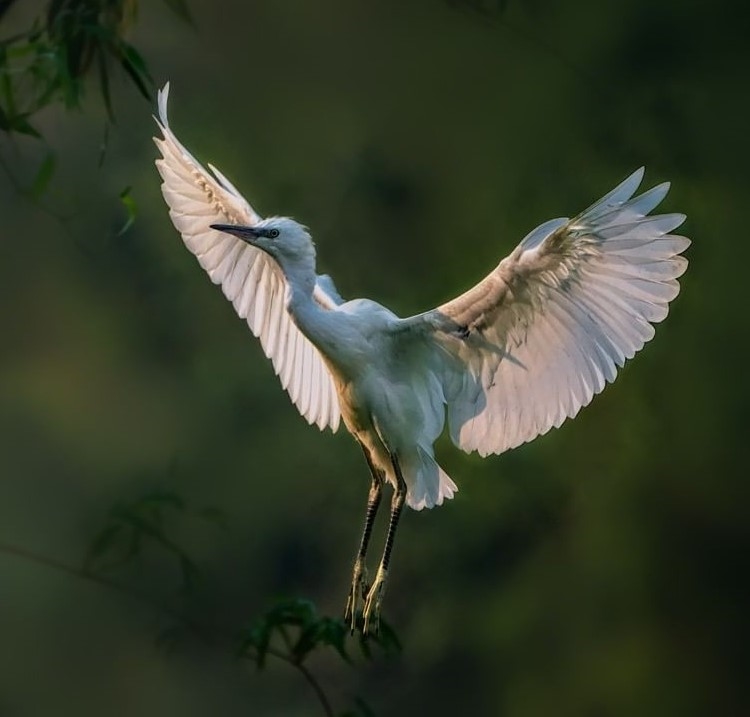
208,634
202,631
312,681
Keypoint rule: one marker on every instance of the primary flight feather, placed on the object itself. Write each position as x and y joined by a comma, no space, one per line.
507,360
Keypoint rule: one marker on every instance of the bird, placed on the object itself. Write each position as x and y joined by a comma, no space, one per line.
505,361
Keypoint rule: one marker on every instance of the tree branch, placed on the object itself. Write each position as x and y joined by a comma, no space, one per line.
208,634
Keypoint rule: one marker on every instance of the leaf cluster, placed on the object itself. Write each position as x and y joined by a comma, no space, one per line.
70,41
291,631
295,628
145,520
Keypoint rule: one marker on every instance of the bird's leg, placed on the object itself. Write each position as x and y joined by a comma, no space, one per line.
371,611
359,575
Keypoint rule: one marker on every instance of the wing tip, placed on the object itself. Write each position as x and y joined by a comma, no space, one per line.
162,99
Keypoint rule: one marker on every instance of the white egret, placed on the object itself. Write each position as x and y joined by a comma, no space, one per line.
507,360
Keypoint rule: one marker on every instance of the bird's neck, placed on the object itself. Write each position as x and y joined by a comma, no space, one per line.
313,321
300,304
300,277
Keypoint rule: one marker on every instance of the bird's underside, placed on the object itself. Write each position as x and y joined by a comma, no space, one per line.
504,362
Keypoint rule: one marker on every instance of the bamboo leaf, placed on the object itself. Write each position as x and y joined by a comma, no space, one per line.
101,61
333,632
43,176
128,202
103,543
19,123
135,67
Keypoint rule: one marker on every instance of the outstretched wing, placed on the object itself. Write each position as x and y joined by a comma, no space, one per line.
536,339
250,279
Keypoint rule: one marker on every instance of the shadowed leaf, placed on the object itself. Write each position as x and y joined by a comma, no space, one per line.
43,176
134,65
128,202
101,61
103,543
334,632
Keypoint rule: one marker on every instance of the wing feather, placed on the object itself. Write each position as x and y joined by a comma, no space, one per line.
536,339
250,279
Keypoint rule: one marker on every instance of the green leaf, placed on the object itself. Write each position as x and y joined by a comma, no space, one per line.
135,66
103,543
116,538
43,176
306,642
190,573
54,9
17,123
296,612
128,202
256,640
364,645
70,86
6,88
334,632
101,61
17,50
103,146
387,639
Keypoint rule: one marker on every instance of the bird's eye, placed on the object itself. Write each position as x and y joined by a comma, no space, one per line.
273,233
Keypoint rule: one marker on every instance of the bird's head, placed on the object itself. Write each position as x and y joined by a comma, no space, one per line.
284,239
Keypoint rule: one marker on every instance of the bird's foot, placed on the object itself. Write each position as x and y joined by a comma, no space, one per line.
357,591
371,611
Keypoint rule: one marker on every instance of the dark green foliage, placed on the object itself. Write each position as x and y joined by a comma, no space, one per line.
132,525
43,176
291,630
127,201
52,61
64,46
299,630
598,571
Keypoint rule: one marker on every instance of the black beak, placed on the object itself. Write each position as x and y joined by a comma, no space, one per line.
245,233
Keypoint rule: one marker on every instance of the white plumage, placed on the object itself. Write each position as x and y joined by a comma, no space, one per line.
559,316
250,279
513,356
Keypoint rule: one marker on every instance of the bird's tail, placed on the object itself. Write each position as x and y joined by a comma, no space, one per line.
429,485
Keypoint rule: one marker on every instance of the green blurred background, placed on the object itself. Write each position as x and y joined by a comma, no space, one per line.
600,571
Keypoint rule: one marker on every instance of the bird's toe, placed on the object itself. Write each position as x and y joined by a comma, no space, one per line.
358,591
371,610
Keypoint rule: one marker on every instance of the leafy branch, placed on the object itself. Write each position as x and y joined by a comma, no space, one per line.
66,44
291,631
